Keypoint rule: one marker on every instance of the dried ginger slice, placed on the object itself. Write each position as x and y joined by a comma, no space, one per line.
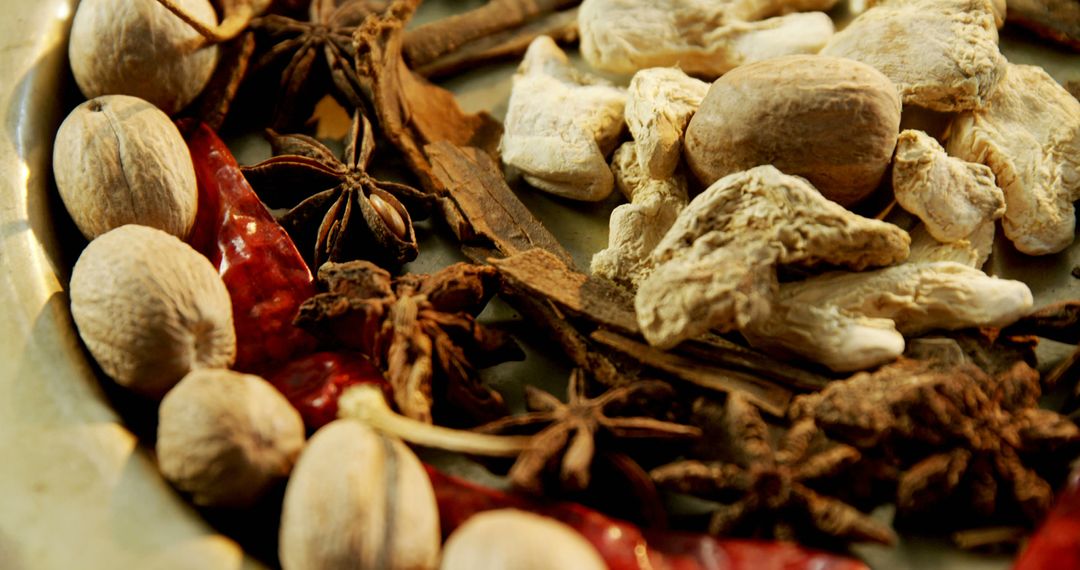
660,103
636,228
942,54
853,321
561,124
1029,135
702,37
716,266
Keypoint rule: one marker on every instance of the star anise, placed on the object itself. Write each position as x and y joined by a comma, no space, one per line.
766,491
570,438
421,329
966,441
357,215
329,29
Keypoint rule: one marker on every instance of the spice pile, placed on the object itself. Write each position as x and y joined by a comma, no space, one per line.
761,340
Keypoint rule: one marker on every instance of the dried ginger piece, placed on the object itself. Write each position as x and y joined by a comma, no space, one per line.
942,54
660,102
561,124
1029,135
702,37
637,227
972,251
952,197
852,321
716,266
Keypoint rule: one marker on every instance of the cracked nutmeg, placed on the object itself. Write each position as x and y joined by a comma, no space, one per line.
968,443
766,490
574,430
345,212
420,328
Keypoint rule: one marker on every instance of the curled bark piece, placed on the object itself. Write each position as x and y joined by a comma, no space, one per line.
561,124
637,227
852,321
953,198
1029,135
716,267
700,37
942,54
429,42
1056,20
660,102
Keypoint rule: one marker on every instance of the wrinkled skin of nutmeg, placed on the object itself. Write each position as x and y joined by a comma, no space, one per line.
150,309
358,499
227,437
509,538
832,121
119,160
139,48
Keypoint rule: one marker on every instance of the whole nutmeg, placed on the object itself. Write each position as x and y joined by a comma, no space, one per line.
119,160
509,538
832,121
150,309
140,48
226,437
358,499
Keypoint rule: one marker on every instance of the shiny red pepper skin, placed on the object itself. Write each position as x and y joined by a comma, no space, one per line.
265,275
623,546
1057,542
313,383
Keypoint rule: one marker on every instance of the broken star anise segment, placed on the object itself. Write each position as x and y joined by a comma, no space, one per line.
969,445
765,490
569,440
344,213
420,328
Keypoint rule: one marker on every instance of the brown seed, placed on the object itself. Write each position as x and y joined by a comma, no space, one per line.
389,215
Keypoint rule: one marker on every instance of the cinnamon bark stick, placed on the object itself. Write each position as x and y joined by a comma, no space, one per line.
1060,322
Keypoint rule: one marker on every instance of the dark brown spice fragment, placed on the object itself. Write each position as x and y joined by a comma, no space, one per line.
343,212
421,329
765,490
1059,321
570,438
413,112
489,209
962,437
217,97
1055,20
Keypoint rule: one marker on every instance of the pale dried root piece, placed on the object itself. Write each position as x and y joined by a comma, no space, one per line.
637,227
660,102
953,198
561,124
716,266
358,499
972,251
509,538
942,54
832,121
853,321
150,309
227,438
1029,135
701,37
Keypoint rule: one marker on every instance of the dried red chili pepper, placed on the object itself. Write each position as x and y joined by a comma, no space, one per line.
313,383
1057,542
623,546
265,275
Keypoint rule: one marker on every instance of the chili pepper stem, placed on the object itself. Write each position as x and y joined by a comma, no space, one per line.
366,404
230,27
